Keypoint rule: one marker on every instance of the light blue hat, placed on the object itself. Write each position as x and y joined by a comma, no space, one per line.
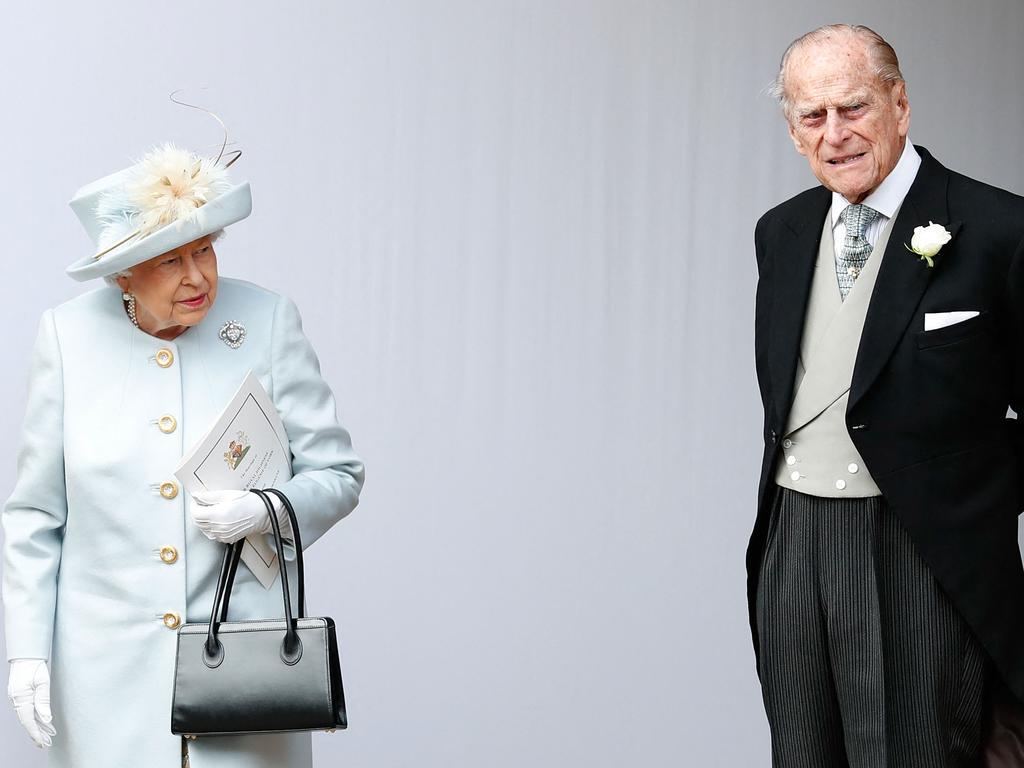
170,197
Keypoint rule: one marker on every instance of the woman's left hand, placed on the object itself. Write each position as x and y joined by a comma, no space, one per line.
228,516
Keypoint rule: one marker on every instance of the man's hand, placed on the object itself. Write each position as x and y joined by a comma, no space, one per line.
28,689
228,516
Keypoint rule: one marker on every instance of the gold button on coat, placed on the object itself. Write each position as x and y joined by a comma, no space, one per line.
164,357
168,490
172,620
169,555
167,423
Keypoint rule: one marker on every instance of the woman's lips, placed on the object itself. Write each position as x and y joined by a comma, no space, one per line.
194,303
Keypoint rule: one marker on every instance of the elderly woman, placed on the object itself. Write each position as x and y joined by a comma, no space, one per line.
104,556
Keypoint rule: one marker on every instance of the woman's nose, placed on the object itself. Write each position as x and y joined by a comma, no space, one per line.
192,273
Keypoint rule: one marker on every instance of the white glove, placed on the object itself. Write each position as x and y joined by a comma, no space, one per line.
28,688
228,516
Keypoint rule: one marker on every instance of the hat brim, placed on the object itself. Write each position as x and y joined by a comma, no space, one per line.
231,206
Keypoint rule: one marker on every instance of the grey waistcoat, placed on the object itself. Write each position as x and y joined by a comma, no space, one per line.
818,456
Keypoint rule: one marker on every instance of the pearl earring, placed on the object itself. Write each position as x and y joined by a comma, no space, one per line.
130,299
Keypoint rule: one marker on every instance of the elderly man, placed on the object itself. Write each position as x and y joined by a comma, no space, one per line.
885,584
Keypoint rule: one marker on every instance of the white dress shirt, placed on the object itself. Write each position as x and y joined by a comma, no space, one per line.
886,199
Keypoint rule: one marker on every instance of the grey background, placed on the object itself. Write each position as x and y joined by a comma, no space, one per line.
520,234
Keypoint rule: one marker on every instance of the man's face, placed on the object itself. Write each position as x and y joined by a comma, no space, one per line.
849,125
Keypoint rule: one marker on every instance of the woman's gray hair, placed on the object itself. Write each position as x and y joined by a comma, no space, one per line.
883,57
111,280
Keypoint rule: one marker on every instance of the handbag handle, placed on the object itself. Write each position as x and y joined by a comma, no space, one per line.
291,646
297,540
222,611
221,596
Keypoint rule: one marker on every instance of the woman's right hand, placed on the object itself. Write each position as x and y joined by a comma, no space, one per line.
28,689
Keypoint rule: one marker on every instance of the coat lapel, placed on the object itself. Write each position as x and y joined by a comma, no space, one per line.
824,304
794,267
902,276
830,363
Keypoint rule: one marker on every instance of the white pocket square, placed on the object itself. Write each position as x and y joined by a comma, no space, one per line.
934,320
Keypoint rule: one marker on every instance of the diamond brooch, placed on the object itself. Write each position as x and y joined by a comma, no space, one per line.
232,333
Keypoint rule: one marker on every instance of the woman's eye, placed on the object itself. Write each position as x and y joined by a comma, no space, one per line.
170,261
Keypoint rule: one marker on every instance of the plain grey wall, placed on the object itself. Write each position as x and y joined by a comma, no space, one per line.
520,234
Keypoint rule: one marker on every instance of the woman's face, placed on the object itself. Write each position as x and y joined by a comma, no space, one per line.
175,290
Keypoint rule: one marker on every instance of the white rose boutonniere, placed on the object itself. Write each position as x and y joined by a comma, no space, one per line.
928,241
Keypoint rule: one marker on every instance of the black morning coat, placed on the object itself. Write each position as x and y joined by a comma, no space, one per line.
927,409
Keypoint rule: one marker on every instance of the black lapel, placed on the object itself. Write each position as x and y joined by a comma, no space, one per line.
794,267
902,277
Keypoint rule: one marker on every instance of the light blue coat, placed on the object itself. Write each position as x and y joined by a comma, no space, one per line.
86,521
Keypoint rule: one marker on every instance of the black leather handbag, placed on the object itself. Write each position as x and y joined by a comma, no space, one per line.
263,676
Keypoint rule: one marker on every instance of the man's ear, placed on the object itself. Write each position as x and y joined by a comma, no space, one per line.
902,105
796,140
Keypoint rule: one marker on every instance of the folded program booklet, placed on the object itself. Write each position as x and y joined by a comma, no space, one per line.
247,447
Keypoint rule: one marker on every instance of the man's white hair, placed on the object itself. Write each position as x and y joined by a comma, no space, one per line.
883,57
111,280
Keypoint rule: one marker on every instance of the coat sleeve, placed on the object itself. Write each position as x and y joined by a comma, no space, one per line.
35,513
762,305
328,475
1015,301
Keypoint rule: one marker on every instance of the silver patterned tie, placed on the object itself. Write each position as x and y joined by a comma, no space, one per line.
856,249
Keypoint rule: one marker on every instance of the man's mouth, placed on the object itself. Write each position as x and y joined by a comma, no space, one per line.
845,160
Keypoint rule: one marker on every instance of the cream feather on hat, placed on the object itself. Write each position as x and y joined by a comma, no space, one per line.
170,197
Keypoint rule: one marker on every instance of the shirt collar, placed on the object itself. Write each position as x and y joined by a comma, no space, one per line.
889,195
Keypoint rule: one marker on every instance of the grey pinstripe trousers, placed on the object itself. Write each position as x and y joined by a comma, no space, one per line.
864,661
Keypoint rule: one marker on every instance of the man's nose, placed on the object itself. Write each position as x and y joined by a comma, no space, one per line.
835,129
